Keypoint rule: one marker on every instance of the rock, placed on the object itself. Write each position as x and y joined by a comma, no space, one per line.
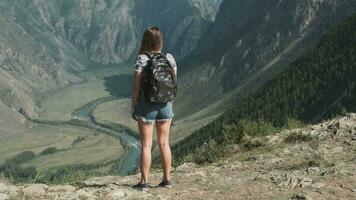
334,125
3,188
4,196
291,182
353,131
336,150
318,185
199,174
306,182
313,170
286,150
273,139
9,189
186,167
62,189
116,194
100,181
300,197
35,190
316,127
83,194
291,179
347,142
274,160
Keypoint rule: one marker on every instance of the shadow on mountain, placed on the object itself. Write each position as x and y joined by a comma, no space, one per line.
119,85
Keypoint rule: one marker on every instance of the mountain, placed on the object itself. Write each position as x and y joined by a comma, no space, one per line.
34,62
318,164
43,44
314,87
247,44
109,31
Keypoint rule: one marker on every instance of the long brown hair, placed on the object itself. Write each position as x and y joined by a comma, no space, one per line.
152,40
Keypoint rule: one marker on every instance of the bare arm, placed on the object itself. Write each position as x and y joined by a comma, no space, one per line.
135,89
173,63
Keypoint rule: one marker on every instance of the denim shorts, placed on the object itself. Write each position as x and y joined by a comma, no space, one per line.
149,112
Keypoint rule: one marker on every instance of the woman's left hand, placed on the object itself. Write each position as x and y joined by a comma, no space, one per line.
133,114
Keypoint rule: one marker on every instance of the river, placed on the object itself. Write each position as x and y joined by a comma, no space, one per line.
82,117
129,162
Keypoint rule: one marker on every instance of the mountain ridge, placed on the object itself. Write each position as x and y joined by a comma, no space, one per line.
43,45
236,49
319,85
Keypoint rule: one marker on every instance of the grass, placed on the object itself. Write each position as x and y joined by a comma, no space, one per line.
61,105
106,81
297,137
95,148
100,72
117,112
74,145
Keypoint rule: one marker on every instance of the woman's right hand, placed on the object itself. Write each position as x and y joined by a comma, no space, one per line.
133,113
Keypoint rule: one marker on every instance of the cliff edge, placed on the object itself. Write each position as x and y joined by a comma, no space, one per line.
313,162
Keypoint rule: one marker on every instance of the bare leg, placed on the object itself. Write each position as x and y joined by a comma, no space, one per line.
163,129
146,132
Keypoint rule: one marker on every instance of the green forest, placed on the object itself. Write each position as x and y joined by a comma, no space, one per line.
314,87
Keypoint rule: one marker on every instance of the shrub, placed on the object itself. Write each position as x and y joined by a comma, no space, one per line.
49,150
71,173
17,174
21,157
209,153
232,133
257,128
297,137
292,123
78,140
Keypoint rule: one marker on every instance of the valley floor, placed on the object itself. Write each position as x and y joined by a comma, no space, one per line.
314,162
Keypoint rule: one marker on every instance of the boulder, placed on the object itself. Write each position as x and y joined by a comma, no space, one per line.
116,194
100,181
4,196
35,190
186,167
61,189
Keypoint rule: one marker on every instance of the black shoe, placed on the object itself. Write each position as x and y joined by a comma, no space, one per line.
141,186
166,184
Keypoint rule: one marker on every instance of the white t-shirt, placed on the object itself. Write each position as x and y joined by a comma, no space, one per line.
141,62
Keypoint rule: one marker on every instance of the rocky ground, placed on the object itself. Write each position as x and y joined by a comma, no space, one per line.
315,162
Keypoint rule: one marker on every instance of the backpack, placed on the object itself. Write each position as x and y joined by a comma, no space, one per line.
159,82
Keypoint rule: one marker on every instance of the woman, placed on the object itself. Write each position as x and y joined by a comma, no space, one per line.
146,113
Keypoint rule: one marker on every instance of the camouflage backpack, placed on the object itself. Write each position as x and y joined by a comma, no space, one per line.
159,82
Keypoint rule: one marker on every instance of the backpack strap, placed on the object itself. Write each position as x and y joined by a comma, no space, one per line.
162,54
148,55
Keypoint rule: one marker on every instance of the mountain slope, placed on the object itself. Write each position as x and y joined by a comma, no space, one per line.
43,44
313,87
34,62
319,167
247,44
110,31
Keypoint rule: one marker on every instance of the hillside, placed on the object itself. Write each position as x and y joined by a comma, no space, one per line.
34,62
58,56
43,44
313,162
313,87
249,42
109,31
67,67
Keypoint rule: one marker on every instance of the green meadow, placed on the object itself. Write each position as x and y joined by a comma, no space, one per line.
93,147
